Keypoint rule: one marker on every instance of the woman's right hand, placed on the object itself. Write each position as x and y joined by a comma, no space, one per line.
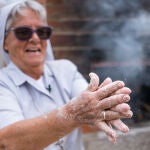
90,105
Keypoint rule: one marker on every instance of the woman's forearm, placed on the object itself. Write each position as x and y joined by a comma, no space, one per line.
35,133
87,108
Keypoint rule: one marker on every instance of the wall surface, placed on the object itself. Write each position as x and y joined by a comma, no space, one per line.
108,37
70,39
136,139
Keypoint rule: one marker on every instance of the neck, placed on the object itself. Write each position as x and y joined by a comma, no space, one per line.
34,73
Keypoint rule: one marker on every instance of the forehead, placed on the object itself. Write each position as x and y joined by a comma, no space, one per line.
27,16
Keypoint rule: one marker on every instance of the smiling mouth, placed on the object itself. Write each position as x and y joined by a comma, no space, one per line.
33,50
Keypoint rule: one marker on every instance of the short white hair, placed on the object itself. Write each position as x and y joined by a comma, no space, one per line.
29,4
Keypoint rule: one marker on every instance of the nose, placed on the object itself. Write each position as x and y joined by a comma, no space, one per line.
34,37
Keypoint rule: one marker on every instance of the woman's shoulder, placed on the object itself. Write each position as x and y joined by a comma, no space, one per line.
62,64
63,69
4,78
2,73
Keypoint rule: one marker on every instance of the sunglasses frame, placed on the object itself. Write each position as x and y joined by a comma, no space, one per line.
31,31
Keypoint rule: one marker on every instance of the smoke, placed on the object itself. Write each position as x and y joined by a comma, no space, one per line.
131,38
122,32
110,8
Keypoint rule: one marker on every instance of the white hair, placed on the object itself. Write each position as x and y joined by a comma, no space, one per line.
36,7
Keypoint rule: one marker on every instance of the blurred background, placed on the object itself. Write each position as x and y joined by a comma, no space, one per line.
111,38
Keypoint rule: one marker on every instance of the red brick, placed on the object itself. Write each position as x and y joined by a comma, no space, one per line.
42,1
55,9
73,25
58,40
60,12
55,1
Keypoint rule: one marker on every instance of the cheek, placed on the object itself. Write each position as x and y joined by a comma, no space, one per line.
10,42
44,47
13,48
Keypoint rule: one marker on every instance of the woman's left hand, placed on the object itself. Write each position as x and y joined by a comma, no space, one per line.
123,109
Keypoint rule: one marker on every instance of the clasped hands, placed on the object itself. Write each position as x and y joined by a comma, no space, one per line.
101,106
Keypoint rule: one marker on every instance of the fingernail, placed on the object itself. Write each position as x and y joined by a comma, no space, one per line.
125,128
126,98
113,138
114,135
121,84
108,79
91,74
130,91
130,114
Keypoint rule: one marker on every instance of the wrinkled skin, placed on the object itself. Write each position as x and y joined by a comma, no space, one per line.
88,108
124,109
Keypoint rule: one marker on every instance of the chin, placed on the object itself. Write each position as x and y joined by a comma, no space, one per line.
36,63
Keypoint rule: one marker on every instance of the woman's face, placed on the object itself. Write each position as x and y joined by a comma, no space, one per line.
30,53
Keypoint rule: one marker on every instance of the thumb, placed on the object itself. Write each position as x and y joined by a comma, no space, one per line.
94,82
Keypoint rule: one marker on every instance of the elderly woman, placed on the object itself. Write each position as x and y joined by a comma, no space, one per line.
44,102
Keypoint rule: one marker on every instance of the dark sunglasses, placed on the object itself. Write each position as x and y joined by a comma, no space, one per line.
24,33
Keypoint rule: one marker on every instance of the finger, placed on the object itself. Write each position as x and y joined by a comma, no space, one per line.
112,101
112,135
110,138
124,90
122,108
118,124
94,82
105,82
109,89
108,115
127,114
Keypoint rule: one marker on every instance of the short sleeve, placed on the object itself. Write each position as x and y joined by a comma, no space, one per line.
79,84
10,110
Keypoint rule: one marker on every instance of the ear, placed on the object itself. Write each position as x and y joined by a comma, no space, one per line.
5,46
6,51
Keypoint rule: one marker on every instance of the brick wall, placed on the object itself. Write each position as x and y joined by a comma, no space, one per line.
88,33
68,40
42,2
